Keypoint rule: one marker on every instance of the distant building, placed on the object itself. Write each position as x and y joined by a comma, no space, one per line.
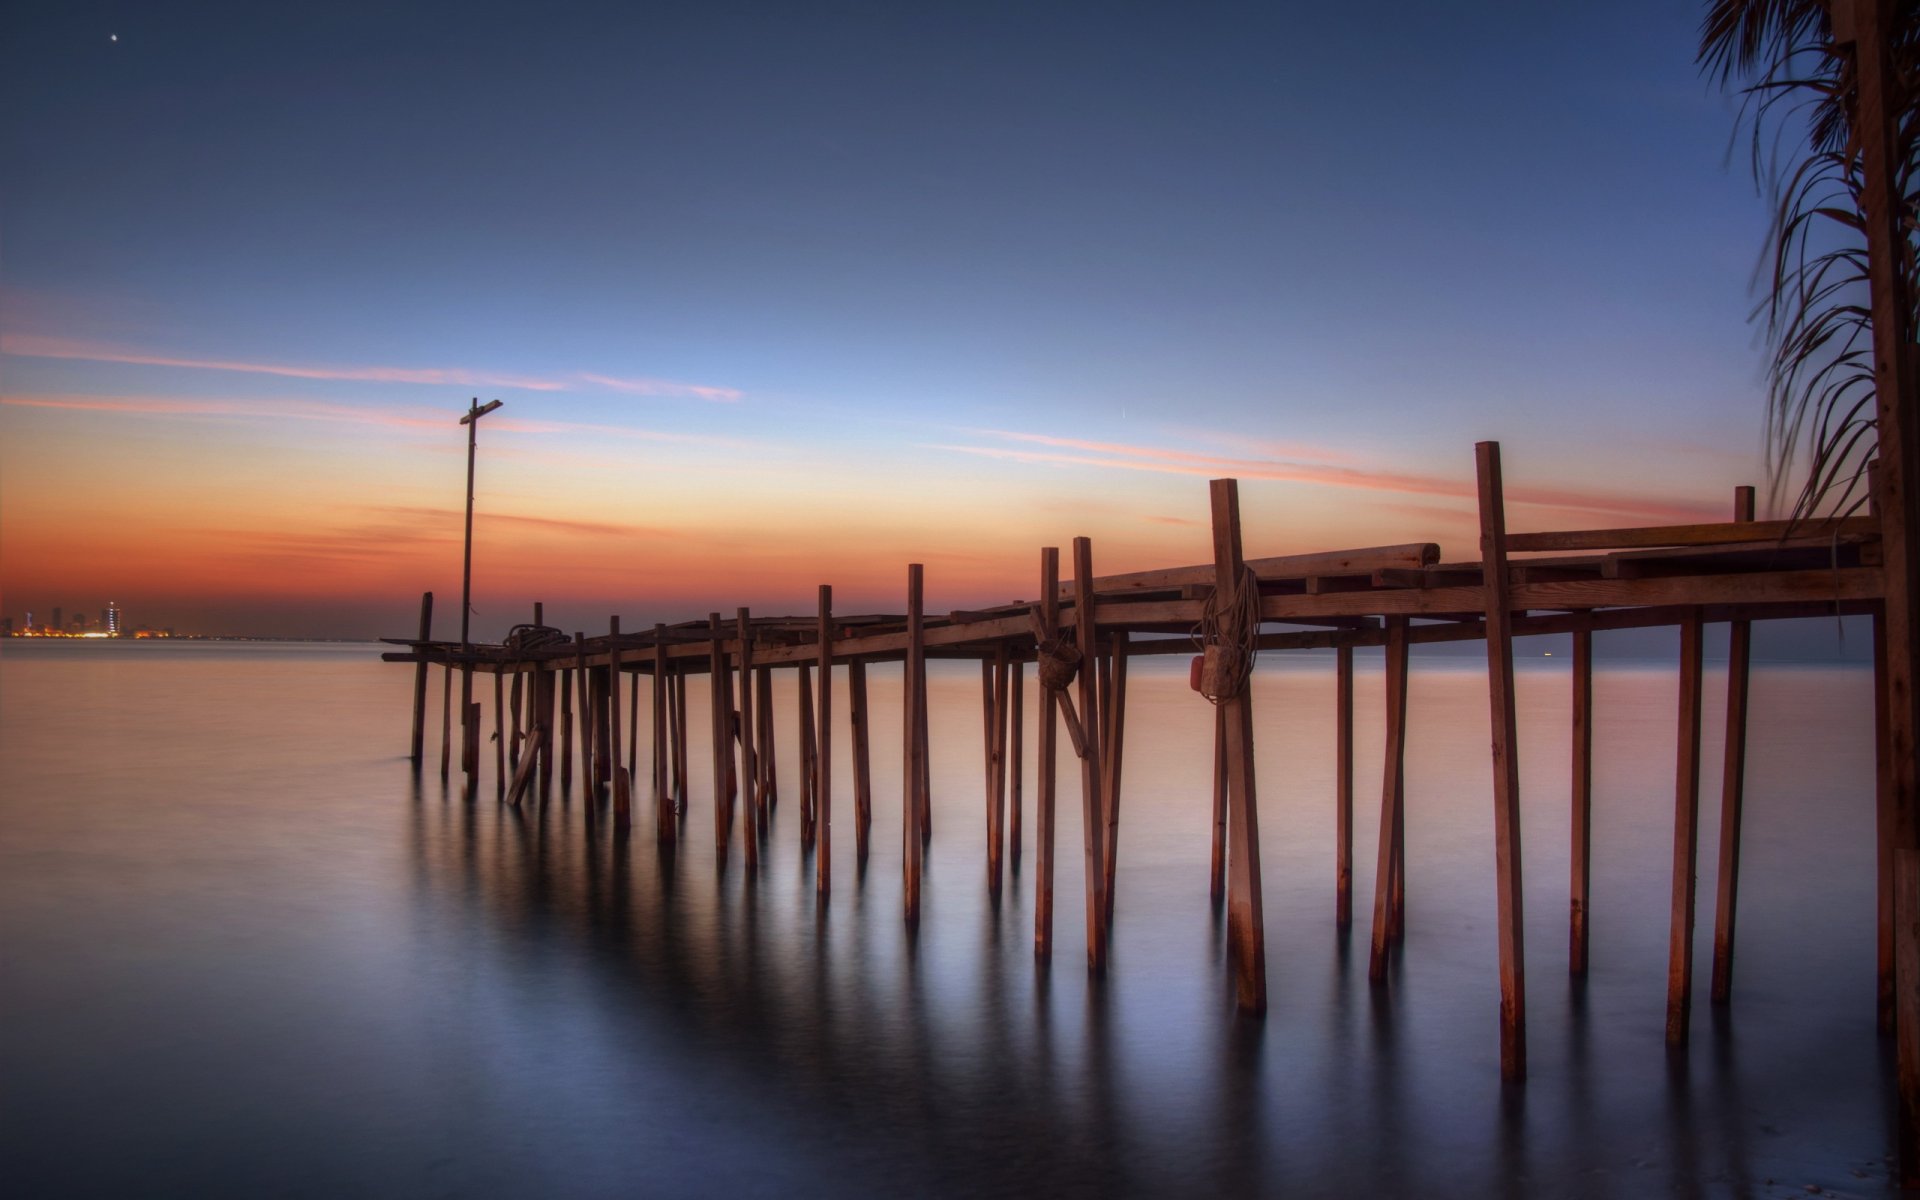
57,627
113,618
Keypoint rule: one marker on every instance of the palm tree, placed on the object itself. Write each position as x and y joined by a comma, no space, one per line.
1798,83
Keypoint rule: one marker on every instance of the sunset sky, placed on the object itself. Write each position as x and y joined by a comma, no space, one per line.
781,295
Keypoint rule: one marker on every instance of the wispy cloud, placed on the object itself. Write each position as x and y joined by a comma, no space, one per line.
294,410
1117,456
446,518
40,346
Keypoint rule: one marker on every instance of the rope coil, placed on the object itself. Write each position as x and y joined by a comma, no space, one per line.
1225,637
533,637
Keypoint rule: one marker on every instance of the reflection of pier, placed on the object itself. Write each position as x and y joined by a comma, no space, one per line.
555,696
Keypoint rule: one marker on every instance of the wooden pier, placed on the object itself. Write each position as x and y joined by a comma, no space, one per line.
1079,635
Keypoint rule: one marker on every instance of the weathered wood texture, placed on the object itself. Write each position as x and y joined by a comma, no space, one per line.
1733,776
1686,834
1246,921
1506,765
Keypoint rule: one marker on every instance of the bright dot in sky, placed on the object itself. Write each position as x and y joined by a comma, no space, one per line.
113,37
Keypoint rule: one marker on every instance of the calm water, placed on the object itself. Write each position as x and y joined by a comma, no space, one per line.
244,952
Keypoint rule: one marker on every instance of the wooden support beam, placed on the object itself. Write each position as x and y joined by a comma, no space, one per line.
1732,787
549,677
1016,758
500,737
622,783
1290,566
1091,795
1506,763
1392,797
993,679
1343,787
515,710
1217,885
420,684
633,727
809,749
1246,921
1580,874
446,720
770,779
589,780
911,843
1686,535
749,769
523,774
718,717
682,761
1686,834
566,731
1115,711
1045,748
862,760
472,749
666,829
1906,903
823,758
1885,831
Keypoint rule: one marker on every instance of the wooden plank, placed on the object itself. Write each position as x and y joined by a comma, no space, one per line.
1506,762
1580,885
1362,561
419,738
823,758
523,774
1392,796
1343,787
1713,534
1016,780
1732,787
1115,745
862,760
1093,827
749,769
1045,763
1686,832
1246,921
911,844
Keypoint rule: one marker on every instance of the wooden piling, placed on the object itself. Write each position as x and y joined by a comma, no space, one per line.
1045,748
420,683
1580,876
1115,713
1392,798
823,754
717,721
471,751
1217,885
547,677
809,749
566,731
770,777
994,682
622,783
682,785
666,829
1016,767
862,759
1091,793
1497,585
1246,921
446,721
1884,832
499,737
582,686
633,726
914,666
1686,833
749,768
1732,787
1343,786
516,711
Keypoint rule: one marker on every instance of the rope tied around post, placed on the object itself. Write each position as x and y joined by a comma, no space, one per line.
1225,637
1059,662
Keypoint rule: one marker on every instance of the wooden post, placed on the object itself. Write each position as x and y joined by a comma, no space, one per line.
1091,794
1045,745
1580,876
718,718
770,789
1732,786
665,829
809,749
499,736
749,769
1217,887
1115,745
515,708
862,759
1686,833
997,769
681,784
1246,921
566,731
420,683
622,785
911,843
1343,786
633,727
471,751
548,678
1392,798
823,755
1906,903
446,720
1496,583
1884,832
1016,737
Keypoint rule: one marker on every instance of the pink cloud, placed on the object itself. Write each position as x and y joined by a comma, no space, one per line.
295,410
660,387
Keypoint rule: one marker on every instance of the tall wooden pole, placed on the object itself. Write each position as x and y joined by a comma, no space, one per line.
823,756
622,786
1732,786
749,769
1392,797
1246,920
722,751
1115,745
420,683
665,827
1045,762
1343,786
1506,763
1016,737
1091,794
915,665
862,759
1580,877
1686,836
